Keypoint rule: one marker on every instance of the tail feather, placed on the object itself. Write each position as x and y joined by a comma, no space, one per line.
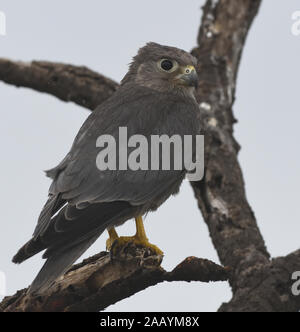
68,234
29,249
53,204
59,263
35,245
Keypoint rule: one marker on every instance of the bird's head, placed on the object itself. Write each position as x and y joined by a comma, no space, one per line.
163,68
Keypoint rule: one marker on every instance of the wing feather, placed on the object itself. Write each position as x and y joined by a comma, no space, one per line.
142,112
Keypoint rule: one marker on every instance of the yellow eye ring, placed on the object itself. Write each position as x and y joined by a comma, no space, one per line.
189,69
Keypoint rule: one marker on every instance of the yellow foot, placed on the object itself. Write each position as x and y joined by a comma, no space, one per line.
122,241
140,239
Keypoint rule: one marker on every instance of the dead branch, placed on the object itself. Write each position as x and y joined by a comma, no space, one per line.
258,283
101,281
221,195
66,82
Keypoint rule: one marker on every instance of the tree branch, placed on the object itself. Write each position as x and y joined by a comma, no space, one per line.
267,289
258,283
101,281
221,195
66,82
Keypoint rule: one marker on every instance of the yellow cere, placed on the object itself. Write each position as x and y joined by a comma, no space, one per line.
189,69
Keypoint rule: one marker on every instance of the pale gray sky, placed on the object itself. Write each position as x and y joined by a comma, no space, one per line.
37,130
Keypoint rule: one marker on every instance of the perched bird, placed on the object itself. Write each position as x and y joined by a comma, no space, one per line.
155,97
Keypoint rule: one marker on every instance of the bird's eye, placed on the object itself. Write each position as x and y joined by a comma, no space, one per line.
167,65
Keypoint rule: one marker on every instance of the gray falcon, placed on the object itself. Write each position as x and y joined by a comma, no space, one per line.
156,96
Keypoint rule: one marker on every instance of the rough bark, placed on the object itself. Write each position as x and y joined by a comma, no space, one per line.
66,82
258,283
102,280
267,287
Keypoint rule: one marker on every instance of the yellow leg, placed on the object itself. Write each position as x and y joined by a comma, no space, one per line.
139,239
140,229
113,236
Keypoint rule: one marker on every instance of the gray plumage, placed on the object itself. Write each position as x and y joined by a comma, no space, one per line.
84,201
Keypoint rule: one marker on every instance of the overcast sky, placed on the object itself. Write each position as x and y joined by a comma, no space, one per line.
37,130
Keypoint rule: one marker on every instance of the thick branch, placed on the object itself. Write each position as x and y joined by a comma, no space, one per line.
258,283
268,289
101,281
221,195
68,83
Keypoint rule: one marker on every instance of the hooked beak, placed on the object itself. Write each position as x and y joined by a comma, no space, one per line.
188,76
